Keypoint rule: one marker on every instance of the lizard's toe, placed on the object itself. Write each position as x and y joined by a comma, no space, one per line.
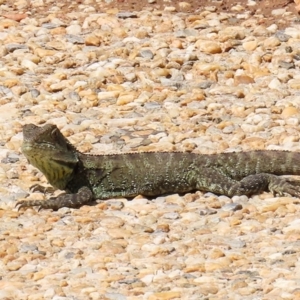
287,189
28,203
42,189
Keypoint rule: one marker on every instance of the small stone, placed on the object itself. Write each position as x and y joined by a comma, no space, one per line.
237,284
50,25
176,43
289,112
165,295
126,15
116,205
74,96
275,84
243,79
206,68
293,227
286,65
74,39
74,29
16,17
232,33
111,247
186,32
278,12
58,31
205,85
271,42
282,37
163,228
288,49
15,265
147,54
92,40
272,28
232,207
111,222
216,253
293,32
14,47
44,52
250,45
6,23
147,279
294,84
170,8
108,95
171,215
125,99
209,47
184,6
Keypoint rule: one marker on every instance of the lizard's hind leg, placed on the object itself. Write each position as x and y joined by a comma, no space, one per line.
218,182
215,181
256,183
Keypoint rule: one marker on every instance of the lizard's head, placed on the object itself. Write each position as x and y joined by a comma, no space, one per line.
49,151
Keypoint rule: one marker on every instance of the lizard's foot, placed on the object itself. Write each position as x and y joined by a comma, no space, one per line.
284,186
83,196
31,203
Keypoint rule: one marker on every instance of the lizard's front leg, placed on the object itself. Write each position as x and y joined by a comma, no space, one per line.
83,196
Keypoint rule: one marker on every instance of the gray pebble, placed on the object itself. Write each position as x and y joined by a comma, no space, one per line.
286,65
11,158
74,39
35,93
171,215
13,47
28,248
186,32
126,15
232,207
74,96
49,25
115,296
282,36
147,54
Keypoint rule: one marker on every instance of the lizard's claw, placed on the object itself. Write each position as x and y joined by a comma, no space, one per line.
43,189
29,203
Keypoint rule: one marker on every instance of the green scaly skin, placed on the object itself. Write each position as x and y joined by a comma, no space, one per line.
88,177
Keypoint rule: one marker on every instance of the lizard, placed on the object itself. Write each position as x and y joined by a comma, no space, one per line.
87,177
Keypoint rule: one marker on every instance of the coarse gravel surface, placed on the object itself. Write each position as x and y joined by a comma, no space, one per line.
162,76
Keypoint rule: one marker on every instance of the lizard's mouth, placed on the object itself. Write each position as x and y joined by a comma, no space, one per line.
29,147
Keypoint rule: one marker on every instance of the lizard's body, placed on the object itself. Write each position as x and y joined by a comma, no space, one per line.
89,177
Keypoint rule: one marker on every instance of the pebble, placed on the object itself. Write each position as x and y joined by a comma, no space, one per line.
155,80
126,15
209,47
283,37
286,64
250,45
232,207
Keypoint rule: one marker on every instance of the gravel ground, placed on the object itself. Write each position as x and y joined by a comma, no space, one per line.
162,78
